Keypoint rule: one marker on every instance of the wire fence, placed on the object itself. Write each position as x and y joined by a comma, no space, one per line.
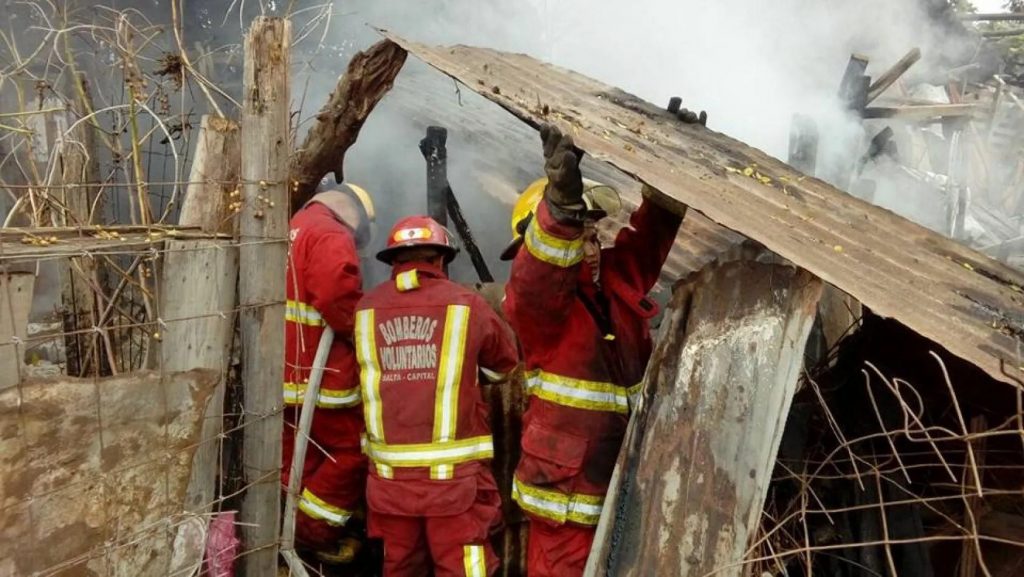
882,475
120,401
121,412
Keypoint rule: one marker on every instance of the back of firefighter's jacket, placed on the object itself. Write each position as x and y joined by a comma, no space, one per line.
423,344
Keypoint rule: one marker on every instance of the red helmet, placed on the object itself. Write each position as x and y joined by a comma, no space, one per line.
413,231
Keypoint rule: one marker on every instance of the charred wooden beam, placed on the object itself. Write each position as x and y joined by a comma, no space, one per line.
890,76
803,144
1003,33
483,272
435,152
992,17
853,88
369,77
923,112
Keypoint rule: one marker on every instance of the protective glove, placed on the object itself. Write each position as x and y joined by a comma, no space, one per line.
562,165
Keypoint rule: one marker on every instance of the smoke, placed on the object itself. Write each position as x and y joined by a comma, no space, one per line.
751,64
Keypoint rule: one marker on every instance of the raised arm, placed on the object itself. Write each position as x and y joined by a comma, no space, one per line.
542,286
642,248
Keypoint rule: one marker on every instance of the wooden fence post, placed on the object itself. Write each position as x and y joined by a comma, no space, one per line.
79,179
694,470
213,180
15,304
261,287
198,298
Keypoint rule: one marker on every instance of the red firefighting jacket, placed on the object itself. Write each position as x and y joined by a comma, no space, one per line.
585,349
423,344
323,286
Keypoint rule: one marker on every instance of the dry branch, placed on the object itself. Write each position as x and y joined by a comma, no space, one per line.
369,77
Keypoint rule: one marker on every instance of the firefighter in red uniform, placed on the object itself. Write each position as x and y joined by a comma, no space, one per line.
423,344
323,287
581,314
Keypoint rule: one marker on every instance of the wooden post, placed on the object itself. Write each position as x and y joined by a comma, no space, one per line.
200,281
79,180
197,302
436,154
694,471
15,304
853,91
890,76
213,181
262,260
803,144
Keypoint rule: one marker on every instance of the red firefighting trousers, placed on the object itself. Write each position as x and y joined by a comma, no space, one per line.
557,551
455,542
334,475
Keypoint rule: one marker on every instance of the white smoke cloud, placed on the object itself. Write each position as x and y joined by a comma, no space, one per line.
751,64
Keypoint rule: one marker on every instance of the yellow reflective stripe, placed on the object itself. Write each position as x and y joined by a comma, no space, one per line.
551,249
407,281
493,376
634,393
303,314
556,506
384,471
474,561
449,377
328,399
432,454
577,393
317,508
369,374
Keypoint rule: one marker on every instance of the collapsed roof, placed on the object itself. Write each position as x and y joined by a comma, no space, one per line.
971,305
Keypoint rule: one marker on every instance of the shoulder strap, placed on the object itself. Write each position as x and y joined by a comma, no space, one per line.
599,312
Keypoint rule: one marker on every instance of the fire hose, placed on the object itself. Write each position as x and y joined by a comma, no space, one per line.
316,374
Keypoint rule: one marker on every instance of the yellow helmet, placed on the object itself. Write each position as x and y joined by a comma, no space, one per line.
364,199
600,199
334,197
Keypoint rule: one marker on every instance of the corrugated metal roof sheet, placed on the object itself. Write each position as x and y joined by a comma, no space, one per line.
970,304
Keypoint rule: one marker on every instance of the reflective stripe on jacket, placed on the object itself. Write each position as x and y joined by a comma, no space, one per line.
323,286
585,348
423,342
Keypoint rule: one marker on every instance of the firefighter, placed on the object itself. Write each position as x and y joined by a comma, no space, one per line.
581,314
323,287
424,344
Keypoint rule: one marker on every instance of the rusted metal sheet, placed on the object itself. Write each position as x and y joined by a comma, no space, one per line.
93,473
703,443
966,302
